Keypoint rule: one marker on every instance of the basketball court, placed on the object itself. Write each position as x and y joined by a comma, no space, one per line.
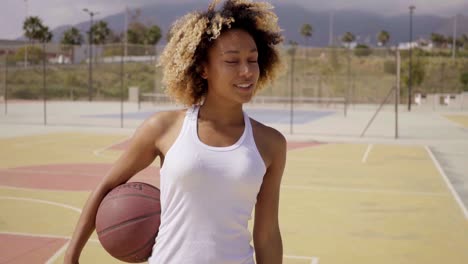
343,198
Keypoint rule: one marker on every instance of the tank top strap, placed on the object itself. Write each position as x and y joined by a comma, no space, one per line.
192,112
188,121
249,139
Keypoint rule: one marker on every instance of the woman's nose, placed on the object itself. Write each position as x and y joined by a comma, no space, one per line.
245,69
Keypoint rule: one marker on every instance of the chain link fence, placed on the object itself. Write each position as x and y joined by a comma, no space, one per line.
59,84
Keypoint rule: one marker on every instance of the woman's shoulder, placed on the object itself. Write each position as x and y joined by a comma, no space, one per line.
270,133
166,118
269,141
162,122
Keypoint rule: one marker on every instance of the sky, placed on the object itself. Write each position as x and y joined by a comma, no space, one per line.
55,13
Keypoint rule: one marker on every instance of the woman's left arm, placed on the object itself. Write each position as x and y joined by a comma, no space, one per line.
266,233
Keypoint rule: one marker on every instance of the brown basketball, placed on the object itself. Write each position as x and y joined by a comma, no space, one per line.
127,221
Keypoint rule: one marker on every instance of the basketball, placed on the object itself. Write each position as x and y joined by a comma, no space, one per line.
127,221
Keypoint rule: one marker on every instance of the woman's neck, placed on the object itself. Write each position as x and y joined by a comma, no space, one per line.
222,113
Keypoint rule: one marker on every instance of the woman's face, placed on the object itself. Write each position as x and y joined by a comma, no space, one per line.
232,69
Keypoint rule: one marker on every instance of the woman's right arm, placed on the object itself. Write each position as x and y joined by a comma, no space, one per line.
140,154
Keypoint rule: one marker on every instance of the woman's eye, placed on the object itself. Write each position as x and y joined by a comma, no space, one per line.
231,62
253,61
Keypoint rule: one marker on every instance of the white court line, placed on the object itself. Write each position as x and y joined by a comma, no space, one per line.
55,172
366,155
447,181
313,260
40,235
35,142
321,160
76,209
28,189
58,253
97,152
389,191
309,146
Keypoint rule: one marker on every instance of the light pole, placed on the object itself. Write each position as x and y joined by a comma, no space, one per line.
125,31
90,52
410,81
292,52
26,48
454,44
330,41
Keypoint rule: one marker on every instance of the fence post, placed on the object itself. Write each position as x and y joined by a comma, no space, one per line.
122,84
397,91
291,112
5,98
44,89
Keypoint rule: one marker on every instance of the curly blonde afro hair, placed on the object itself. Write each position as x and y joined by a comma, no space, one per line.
193,34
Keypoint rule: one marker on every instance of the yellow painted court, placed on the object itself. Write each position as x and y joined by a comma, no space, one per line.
340,203
459,119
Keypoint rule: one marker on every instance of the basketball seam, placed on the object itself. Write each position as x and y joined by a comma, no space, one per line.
130,194
105,230
139,249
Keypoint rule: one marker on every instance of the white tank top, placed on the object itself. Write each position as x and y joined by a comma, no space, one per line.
207,197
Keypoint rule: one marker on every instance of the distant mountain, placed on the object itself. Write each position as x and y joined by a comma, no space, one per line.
364,25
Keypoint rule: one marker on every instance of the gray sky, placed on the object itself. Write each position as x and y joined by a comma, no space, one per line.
61,12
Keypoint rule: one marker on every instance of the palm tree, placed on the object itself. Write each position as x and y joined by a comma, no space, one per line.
45,35
136,33
32,27
437,39
153,35
348,38
70,38
464,40
383,37
100,32
306,32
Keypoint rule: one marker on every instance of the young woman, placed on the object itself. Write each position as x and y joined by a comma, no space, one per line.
216,162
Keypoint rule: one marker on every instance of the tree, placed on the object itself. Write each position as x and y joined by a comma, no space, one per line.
292,47
464,80
72,37
100,32
348,38
362,50
438,40
383,37
418,72
140,34
136,30
153,35
45,35
115,37
34,30
306,32
136,33
458,42
464,41
33,27
35,55
449,40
